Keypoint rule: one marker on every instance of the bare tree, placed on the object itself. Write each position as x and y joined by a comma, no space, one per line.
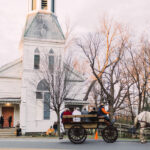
138,69
69,34
107,70
59,80
131,98
146,59
95,94
105,42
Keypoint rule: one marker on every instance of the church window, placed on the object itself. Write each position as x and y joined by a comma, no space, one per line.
44,4
46,106
42,85
51,60
34,4
36,59
39,95
44,95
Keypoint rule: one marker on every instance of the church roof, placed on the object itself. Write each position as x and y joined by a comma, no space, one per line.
12,69
10,64
41,25
76,76
16,100
75,102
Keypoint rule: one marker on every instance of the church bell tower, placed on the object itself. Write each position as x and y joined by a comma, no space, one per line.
36,5
42,40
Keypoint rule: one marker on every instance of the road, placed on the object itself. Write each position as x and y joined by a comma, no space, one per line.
55,144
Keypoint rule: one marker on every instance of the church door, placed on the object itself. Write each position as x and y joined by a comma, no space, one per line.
7,112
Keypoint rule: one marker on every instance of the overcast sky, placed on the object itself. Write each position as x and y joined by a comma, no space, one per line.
84,14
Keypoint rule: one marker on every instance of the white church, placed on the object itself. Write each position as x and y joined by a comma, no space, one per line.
18,98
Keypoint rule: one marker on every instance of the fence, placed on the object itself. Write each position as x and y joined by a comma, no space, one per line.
125,131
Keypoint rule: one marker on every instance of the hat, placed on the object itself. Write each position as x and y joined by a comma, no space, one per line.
102,104
78,108
66,109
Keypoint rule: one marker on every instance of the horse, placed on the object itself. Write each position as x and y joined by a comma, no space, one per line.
142,120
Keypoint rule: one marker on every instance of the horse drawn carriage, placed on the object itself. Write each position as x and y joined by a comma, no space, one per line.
78,131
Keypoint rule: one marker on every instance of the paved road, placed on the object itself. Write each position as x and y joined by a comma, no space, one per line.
55,144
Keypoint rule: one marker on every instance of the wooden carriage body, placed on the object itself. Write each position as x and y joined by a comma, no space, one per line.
86,124
77,131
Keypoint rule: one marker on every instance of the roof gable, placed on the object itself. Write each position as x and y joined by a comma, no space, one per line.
12,69
43,26
74,75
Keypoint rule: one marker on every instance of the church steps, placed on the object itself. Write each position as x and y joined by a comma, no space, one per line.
7,132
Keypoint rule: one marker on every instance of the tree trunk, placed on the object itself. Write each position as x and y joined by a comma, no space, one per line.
130,107
111,111
139,107
58,123
89,90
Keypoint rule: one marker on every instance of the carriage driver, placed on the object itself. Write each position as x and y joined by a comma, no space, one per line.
103,112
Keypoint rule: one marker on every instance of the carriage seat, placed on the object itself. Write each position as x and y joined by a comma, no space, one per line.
82,117
101,117
98,118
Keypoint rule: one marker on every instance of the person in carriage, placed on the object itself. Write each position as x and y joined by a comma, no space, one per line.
66,112
103,112
93,112
76,112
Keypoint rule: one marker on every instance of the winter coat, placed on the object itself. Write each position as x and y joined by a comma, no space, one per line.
76,112
102,111
66,120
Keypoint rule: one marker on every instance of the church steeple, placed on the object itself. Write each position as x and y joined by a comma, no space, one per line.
48,5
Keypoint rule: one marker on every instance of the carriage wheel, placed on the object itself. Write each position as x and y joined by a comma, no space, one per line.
110,134
77,134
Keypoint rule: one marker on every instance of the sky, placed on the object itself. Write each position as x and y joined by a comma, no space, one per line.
83,14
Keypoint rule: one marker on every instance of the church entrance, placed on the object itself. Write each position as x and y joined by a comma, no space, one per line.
7,112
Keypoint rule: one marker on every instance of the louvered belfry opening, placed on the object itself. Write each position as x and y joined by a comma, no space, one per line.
44,4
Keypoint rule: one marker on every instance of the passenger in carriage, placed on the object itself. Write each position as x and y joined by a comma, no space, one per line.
103,112
66,112
85,112
93,112
76,112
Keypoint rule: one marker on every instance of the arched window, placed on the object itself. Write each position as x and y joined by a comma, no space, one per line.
44,4
44,95
51,60
43,85
36,59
